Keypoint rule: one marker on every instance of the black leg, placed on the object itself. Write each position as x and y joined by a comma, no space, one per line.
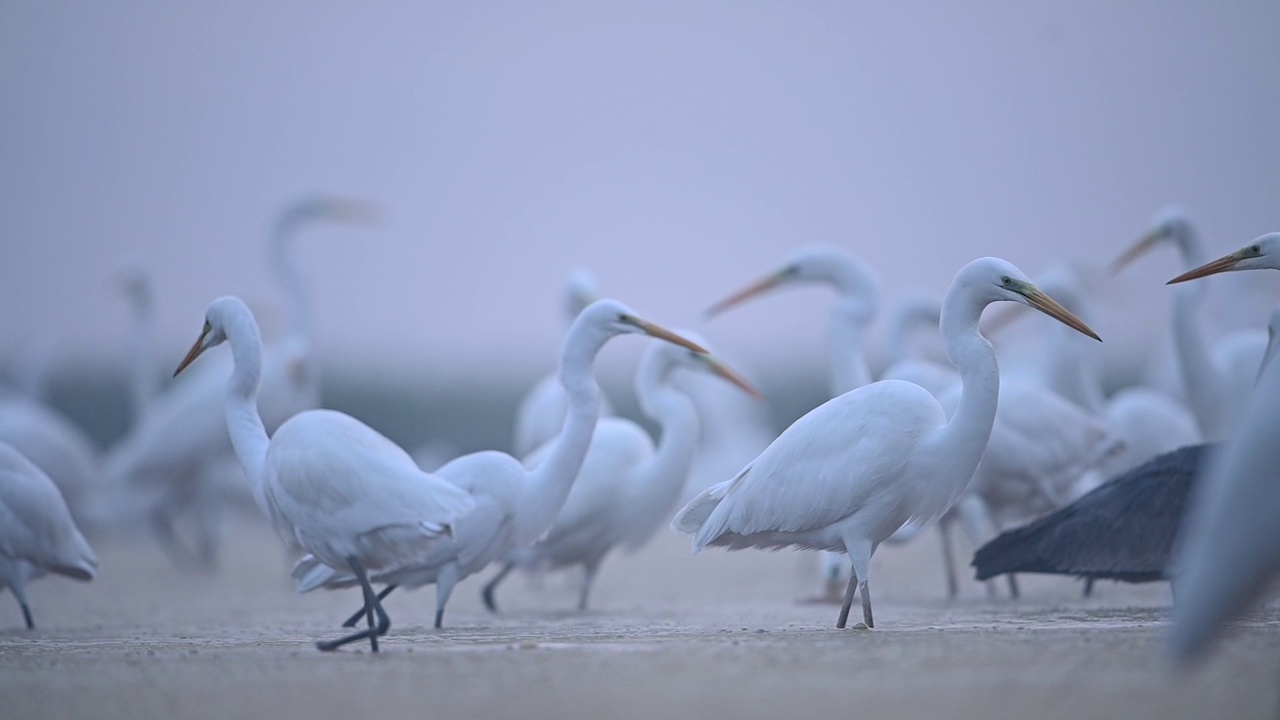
1013,586
351,621
1088,587
26,615
384,622
848,600
492,586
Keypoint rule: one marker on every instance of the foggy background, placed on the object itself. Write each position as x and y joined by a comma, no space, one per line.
679,149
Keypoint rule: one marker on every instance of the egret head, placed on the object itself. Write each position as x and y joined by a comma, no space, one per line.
667,358
1168,225
134,284
610,317
219,315
580,291
993,280
331,208
1260,254
812,264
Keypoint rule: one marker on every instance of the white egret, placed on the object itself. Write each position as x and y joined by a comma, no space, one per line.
541,411
851,472
58,447
1229,544
514,505
627,488
37,533
859,300
174,461
326,481
1218,380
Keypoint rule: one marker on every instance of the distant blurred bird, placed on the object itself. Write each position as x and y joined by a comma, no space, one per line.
144,384
851,472
1122,530
58,447
326,481
540,413
1217,378
174,460
626,489
514,505
37,534
858,289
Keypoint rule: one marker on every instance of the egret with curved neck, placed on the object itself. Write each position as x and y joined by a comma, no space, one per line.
514,505
852,471
626,487
1217,382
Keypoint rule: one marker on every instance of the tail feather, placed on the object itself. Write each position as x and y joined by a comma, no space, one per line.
692,516
310,574
76,560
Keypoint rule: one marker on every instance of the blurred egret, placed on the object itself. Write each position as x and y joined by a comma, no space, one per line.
326,481
1217,380
37,534
852,471
175,458
626,487
540,413
514,504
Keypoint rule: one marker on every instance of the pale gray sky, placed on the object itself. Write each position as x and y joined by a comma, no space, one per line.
678,148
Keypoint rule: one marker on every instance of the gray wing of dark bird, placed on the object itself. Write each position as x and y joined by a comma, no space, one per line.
1122,530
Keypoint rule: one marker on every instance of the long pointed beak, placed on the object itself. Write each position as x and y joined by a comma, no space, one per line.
732,376
664,334
755,288
1047,305
1222,264
351,210
1139,249
192,354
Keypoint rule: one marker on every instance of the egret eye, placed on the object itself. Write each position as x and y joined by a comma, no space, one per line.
1256,249
1006,281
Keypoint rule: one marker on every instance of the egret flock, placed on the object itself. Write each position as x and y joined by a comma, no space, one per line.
1152,481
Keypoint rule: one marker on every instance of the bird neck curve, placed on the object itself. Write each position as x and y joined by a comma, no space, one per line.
846,333
661,480
549,483
963,439
244,423
285,268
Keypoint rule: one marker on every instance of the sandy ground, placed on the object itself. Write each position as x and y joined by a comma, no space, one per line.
713,635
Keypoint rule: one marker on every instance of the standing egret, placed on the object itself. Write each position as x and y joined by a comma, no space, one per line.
37,534
514,505
626,487
852,471
59,448
541,411
326,481
1218,380
1229,544
174,461
859,300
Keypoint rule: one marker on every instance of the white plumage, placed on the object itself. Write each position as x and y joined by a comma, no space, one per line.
37,533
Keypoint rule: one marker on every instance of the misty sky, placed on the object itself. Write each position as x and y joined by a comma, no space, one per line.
678,148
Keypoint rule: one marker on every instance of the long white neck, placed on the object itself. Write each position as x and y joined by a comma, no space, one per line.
1202,380
146,376
287,274
963,439
661,481
549,483
244,424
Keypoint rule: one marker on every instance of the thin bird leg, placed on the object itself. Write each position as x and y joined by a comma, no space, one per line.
1088,587
1013,586
445,580
848,601
384,622
588,578
865,590
948,559
492,586
351,621
19,589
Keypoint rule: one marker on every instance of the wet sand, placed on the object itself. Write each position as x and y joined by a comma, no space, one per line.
670,635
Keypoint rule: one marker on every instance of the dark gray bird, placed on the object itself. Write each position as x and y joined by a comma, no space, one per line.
1121,530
